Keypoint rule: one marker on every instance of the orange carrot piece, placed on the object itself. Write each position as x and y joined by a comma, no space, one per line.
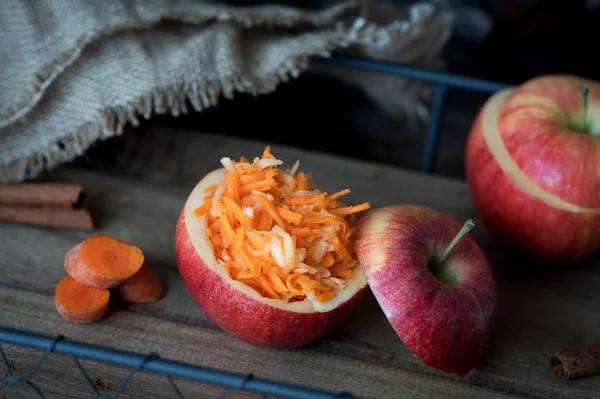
103,261
236,211
262,185
350,209
267,152
142,287
328,260
341,250
302,232
238,244
290,216
247,179
297,200
226,229
264,284
345,274
204,208
266,220
302,181
325,296
79,303
276,281
232,185
211,188
324,220
270,208
337,268
339,194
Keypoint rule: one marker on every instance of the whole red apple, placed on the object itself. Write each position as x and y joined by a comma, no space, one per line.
432,282
533,167
240,310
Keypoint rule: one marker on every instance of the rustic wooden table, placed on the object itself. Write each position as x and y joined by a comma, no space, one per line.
137,193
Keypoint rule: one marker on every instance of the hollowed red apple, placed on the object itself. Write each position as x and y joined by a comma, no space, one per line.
239,309
432,282
533,168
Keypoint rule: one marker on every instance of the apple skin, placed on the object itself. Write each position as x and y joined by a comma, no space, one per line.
448,327
246,315
534,180
245,318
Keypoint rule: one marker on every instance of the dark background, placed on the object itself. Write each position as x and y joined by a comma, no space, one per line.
507,41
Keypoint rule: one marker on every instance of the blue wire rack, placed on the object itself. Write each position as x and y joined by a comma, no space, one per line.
441,82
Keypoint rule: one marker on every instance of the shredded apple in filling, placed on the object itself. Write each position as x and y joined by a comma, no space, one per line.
272,230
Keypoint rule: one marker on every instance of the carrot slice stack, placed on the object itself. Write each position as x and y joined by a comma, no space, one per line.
274,231
142,287
96,265
103,261
79,303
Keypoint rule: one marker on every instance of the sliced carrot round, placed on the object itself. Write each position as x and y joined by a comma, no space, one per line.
79,303
103,261
142,287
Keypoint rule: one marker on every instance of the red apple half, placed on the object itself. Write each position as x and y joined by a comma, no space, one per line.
238,309
442,310
533,168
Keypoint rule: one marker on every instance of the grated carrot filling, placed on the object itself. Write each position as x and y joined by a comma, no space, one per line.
270,230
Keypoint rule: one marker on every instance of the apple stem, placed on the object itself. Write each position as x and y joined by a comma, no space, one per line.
585,92
469,224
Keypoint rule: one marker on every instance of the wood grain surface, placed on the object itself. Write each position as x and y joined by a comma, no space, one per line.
137,193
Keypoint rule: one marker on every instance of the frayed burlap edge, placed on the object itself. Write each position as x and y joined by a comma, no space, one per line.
110,122
272,15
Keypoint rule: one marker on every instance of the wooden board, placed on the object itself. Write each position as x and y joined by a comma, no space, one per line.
137,196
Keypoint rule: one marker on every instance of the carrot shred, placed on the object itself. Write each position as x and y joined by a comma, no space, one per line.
290,216
265,285
247,179
302,181
236,210
204,208
273,232
211,188
345,274
232,186
266,221
325,296
276,281
351,209
270,208
266,152
339,194
303,232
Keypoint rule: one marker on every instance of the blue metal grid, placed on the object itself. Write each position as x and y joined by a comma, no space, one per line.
233,382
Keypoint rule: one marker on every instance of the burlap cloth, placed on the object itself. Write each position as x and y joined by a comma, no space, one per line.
73,72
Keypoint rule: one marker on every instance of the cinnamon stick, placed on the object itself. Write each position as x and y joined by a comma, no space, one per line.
43,194
577,363
66,218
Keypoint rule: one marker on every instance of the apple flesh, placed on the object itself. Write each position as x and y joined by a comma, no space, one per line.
442,309
238,309
533,168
